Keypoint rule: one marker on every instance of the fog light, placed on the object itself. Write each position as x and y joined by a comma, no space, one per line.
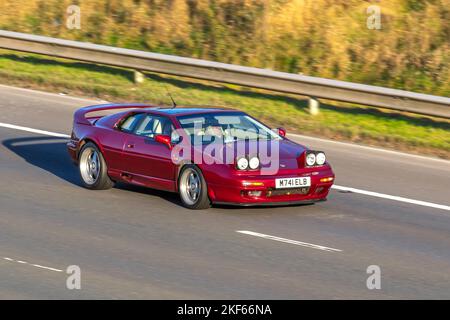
254,193
319,189
329,179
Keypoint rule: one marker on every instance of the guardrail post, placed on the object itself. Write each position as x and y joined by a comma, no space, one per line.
313,105
139,77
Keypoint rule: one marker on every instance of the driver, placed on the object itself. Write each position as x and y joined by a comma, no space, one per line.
212,128
214,131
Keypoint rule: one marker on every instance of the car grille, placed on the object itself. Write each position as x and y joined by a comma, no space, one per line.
284,192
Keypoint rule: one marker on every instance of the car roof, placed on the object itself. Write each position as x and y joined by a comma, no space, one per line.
179,111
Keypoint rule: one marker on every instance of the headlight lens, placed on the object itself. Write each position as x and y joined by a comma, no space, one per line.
253,163
242,163
310,159
320,158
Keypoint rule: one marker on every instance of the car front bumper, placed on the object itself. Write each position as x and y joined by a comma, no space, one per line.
240,190
270,204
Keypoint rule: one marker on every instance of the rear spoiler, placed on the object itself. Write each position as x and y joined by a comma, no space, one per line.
80,114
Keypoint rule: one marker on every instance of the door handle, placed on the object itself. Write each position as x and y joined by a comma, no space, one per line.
130,145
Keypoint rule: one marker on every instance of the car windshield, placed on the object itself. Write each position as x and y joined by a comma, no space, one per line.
225,127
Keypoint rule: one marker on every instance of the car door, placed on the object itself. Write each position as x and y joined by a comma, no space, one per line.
149,162
113,141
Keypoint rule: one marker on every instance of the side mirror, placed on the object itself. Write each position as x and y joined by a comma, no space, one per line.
280,131
164,139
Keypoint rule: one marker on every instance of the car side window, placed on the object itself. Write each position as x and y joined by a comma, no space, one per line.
152,125
130,123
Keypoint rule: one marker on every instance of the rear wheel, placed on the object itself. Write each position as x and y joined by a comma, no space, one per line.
193,189
93,169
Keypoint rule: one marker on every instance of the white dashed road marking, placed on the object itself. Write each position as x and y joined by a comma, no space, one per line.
298,243
31,264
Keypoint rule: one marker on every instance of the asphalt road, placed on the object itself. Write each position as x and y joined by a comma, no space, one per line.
137,243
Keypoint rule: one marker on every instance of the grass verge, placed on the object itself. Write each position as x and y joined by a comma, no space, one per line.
370,126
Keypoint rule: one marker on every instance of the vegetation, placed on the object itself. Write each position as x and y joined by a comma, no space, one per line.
358,124
325,38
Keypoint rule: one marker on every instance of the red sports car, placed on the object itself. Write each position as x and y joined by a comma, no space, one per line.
207,155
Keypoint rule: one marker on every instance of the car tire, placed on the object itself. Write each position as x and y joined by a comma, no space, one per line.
93,169
192,188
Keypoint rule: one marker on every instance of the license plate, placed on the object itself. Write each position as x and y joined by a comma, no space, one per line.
292,182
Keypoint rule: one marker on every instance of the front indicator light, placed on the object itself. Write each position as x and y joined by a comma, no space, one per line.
252,184
329,179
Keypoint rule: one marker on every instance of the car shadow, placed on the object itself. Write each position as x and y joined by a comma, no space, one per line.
47,153
50,154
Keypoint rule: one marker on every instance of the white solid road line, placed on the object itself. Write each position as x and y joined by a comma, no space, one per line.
395,198
352,145
298,243
33,265
341,188
47,133
47,268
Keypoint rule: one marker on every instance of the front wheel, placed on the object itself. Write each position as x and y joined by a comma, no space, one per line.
93,169
193,189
